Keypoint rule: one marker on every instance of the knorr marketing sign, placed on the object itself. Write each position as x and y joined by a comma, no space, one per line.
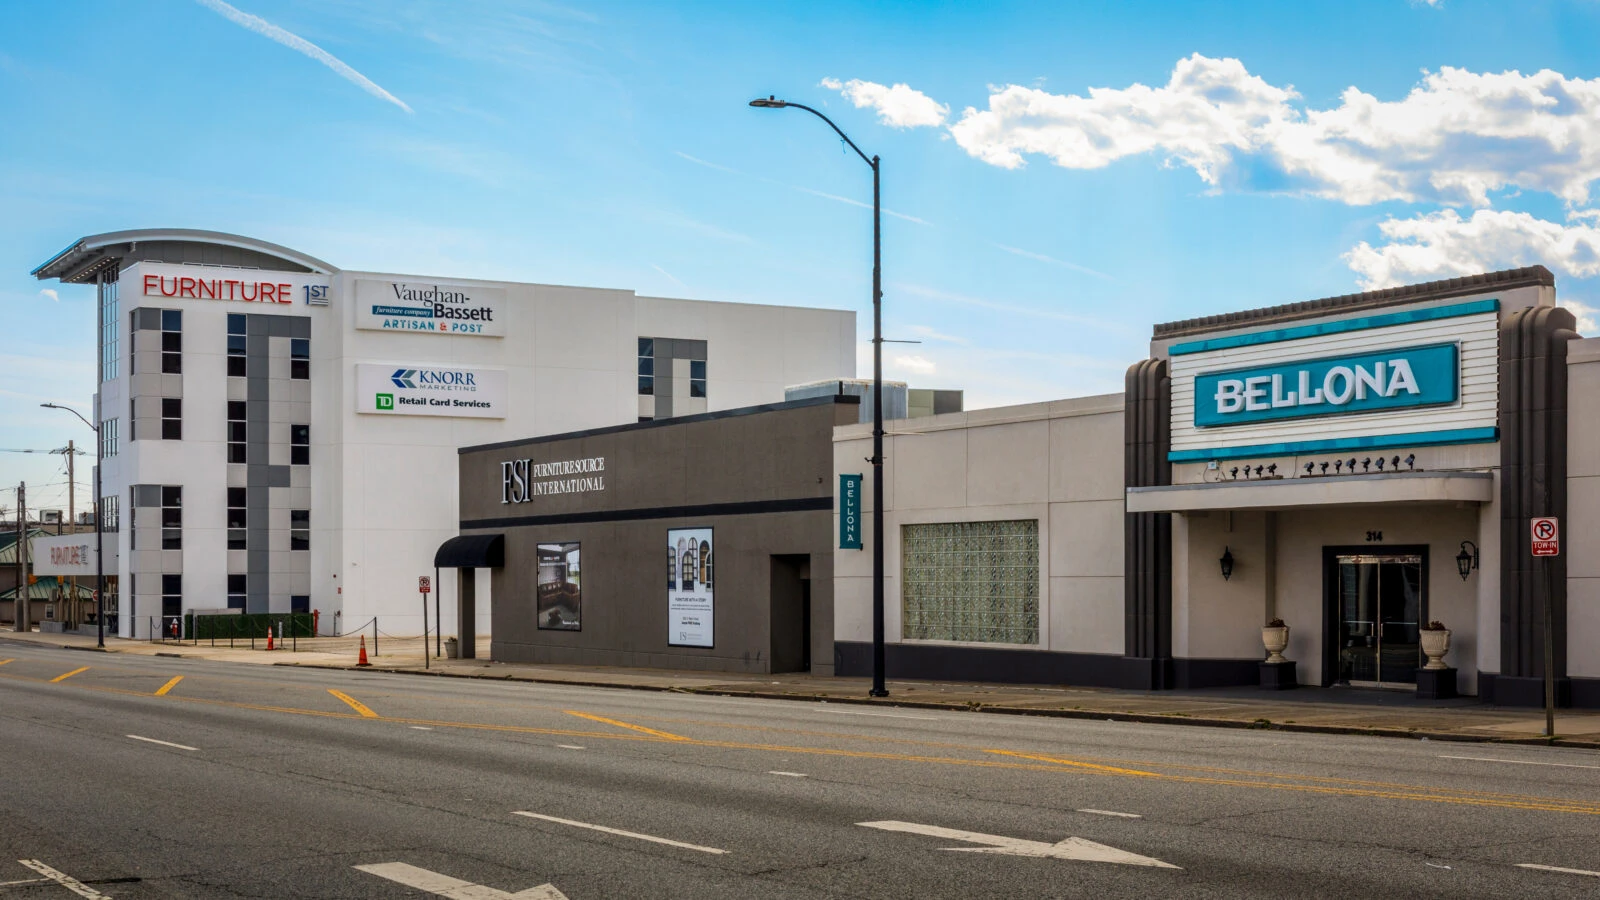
1401,378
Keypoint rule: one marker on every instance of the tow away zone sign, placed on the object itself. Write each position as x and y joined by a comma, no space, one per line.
1546,534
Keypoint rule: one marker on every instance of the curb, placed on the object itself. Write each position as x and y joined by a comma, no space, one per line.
1141,718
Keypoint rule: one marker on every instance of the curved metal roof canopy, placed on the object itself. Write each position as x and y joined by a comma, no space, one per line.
89,256
472,551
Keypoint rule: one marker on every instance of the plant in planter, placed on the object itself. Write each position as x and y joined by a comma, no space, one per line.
1435,644
1275,637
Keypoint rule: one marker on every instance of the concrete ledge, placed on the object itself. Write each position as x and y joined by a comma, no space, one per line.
1330,490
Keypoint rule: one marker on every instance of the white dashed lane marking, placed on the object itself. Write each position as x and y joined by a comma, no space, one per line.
162,743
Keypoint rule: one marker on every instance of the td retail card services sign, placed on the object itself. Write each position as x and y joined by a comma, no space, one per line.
403,389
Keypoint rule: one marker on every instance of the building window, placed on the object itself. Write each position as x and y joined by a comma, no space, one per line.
971,581
108,438
236,432
300,358
647,367
672,569
108,327
697,378
172,342
299,603
705,564
299,529
109,514
647,418
236,345
171,595
171,418
171,517
236,518
299,445
237,590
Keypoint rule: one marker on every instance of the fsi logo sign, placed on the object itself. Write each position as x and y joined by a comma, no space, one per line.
1370,382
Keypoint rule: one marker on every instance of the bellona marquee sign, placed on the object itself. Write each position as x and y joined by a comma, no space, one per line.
521,480
1401,378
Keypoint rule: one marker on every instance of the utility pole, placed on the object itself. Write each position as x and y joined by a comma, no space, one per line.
19,607
70,607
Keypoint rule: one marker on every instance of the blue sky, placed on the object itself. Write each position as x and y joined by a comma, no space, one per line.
1062,174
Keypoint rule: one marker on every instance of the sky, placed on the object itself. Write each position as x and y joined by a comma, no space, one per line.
1057,177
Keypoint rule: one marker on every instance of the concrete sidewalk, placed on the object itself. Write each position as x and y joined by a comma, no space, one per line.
1321,710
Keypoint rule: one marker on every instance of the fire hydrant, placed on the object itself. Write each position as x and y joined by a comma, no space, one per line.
316,619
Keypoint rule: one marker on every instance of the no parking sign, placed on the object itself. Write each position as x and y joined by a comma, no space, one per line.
1546,533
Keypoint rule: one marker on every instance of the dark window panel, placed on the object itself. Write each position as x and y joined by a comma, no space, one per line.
697,388
171,517
236,432
697,368
236,518
237,453
236,410
299,348
171,408
236,323
236,496
299,434
172,495
236,344
171,539
172,320
299,540
299,518
300,603
172,341
299,456
236,539
172,429
300,369
172,363
236,366
236,584
647,347
647,366
647,386
172,584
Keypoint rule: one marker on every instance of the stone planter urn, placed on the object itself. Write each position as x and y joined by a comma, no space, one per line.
1275,637
1435,644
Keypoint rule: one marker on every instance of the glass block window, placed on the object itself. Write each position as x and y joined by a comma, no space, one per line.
975,582
108,327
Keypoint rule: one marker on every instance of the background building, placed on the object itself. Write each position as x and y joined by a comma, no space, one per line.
281,435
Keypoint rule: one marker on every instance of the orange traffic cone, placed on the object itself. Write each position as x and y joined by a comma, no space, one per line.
363,660
269,637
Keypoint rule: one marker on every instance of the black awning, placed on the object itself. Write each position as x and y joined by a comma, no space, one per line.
472,551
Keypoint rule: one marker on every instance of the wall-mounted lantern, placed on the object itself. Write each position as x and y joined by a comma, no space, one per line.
1467,560
1227,563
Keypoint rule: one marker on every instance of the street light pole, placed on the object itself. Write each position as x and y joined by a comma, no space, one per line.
878,689
99,532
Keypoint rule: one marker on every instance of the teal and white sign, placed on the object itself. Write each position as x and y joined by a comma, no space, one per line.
1401,378
849,512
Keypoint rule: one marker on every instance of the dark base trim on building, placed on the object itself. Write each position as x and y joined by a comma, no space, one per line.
1277,676
1508,690
1436,684
935,662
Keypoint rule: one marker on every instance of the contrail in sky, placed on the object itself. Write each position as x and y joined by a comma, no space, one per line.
296,42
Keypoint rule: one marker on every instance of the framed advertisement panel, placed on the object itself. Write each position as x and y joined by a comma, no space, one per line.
691,609
560,589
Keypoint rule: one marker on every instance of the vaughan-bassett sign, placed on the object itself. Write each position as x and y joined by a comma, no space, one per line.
403,389
521,480
430,307
1362,383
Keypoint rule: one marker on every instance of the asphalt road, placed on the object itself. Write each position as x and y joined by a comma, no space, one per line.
270,784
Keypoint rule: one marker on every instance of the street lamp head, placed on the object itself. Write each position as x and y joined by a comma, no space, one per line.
769,103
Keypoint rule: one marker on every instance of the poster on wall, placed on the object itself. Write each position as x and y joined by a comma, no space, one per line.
691,569
560,590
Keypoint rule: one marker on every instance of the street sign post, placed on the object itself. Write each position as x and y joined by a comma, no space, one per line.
424,587
1545,535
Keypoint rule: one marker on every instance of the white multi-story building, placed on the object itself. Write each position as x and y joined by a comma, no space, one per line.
280,435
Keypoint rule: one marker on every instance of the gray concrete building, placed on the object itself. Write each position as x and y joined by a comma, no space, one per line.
702,542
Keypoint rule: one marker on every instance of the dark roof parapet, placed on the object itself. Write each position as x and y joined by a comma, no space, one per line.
1528,276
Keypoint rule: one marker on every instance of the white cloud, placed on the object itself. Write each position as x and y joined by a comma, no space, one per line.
925,333
50,294
1456,137
1444,245
670,277
1040,257
1588,316
296,42
917,365
900,106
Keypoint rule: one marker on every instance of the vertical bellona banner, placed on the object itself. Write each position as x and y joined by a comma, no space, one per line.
849,512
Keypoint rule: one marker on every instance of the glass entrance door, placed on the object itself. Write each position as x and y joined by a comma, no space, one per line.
1380,618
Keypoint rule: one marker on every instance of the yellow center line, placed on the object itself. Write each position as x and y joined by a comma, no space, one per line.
1037,763
1419,793
4,661
162,691
68,675
355,704
639,728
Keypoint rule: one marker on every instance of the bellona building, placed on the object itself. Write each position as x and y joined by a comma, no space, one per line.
1348,491
279,434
